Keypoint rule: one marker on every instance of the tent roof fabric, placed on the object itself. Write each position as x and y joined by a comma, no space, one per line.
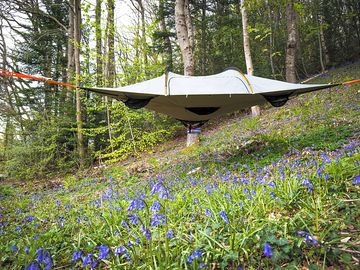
200,98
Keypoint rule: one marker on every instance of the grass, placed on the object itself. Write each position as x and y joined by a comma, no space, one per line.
284,181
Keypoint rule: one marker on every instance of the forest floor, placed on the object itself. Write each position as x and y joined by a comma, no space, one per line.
279,191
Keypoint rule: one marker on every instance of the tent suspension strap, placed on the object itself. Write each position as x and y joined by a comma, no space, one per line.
247,81
7,73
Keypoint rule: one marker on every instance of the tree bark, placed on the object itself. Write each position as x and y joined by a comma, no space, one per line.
182,34
79,122
291,42
98,36
167,42
255,110
110,61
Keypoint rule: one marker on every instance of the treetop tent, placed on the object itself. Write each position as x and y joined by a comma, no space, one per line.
196,99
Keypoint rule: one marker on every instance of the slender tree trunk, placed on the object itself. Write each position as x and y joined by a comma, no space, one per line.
189,25
182,34
167,42
271,40
70,53
291,42
143,34
323,47
255,110
79,122
98,36
203,38
110,62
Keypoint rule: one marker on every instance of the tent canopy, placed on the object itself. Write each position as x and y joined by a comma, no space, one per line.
194,99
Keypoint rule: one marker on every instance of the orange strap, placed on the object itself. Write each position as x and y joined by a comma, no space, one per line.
351,82
25,76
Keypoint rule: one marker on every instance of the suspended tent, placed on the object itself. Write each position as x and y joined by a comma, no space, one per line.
196,99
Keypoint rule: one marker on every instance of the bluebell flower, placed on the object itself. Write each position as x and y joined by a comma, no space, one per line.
156,188
124,224
158,219
104,252
155,206
308,237
202,265
32,266
87,259
27,250
147,234
208,213
307,183
195,254
136,204
223,215
14,248
267,250
76,255
93,264
134,219
120,250
272,184
311,239
357,180
170,234
39,256
36,237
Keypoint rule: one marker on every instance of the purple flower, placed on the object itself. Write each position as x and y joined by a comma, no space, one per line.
208,213
147,234
195,254
155,206
170,234
267,250
104,252
33,266
223,215
308,238
357,180
272,184
134,219
307,183
76,256
311,239
27,250
14,248
40,255
120,250
202,265
158,219
87,259
136,204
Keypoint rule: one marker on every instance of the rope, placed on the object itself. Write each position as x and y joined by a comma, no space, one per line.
7,73
351,82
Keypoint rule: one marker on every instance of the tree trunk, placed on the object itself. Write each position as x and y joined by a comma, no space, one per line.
70,55
79,123
255,110
110,61
167,42
324,51
143,34
291,42
182,34
98,36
